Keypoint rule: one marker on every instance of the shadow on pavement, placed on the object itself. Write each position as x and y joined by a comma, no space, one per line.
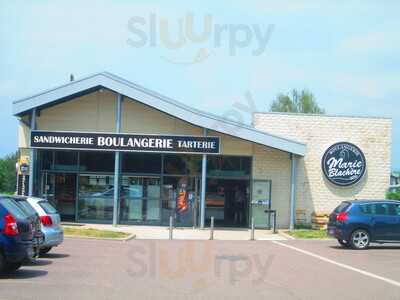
373,247
39,262
54,255
24,274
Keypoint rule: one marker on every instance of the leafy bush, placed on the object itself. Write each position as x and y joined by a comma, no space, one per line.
7,173
393,195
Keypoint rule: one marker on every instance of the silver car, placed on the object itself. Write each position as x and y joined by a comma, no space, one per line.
50,222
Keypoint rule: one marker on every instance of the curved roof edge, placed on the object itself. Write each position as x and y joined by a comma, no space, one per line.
161,103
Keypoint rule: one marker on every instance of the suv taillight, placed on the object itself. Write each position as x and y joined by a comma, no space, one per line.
341,217
46,221
10,225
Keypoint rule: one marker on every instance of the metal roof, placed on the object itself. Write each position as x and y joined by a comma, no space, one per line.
159,102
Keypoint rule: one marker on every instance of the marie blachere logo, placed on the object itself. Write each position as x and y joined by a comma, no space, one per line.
343,164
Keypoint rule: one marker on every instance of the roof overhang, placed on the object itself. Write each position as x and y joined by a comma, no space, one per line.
159,102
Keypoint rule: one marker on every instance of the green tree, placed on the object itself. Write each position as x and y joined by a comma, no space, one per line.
7,173
297,102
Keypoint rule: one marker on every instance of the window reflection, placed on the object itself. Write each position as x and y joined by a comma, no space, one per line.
180,199
228,166
96,197
66,160
140,199
182,164
93,161
141,163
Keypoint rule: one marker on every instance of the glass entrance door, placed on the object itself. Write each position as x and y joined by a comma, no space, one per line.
65,195
60,190
47,187
180,199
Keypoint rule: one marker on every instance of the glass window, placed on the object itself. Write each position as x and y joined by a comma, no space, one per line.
140,199
228,166
183,164
141,163
397,209
47,207
26,207
96,197
382,209
66,160
13,208
385,209
342,207
179,199
93,161
46,159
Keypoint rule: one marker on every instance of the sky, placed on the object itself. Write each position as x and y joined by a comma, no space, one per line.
213,55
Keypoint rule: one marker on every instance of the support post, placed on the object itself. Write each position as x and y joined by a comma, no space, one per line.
32,156
117,163
293,176
252,229
212,228
203,186
171,227
274,230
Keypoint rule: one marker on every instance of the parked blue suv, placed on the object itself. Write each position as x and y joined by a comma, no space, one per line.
16,234
358,223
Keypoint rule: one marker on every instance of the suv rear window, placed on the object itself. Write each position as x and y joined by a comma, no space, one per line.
342,207
13,208
47,207
27,207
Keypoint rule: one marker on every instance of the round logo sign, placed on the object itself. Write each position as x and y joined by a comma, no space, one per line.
343,164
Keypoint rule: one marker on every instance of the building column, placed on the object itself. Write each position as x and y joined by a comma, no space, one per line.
32,156
293,177
203,187
117,161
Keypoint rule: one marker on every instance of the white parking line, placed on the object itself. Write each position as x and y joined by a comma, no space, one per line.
344,266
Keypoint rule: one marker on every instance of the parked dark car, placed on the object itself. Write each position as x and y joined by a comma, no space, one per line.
16,234
38,236
358,223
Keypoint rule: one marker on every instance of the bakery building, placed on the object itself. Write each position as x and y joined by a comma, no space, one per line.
105,150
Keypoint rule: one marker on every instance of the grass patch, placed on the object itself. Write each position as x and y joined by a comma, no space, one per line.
308,234
90,232
7,194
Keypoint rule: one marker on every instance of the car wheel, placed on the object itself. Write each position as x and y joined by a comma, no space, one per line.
344,243
45,250
360,239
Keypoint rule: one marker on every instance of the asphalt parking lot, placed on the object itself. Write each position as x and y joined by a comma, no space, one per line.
162,269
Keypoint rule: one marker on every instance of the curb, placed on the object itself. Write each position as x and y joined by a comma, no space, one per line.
130,237
287,236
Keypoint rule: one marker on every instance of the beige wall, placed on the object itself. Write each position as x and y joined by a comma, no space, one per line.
314,192
23,135
274,165
92,112
140,118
